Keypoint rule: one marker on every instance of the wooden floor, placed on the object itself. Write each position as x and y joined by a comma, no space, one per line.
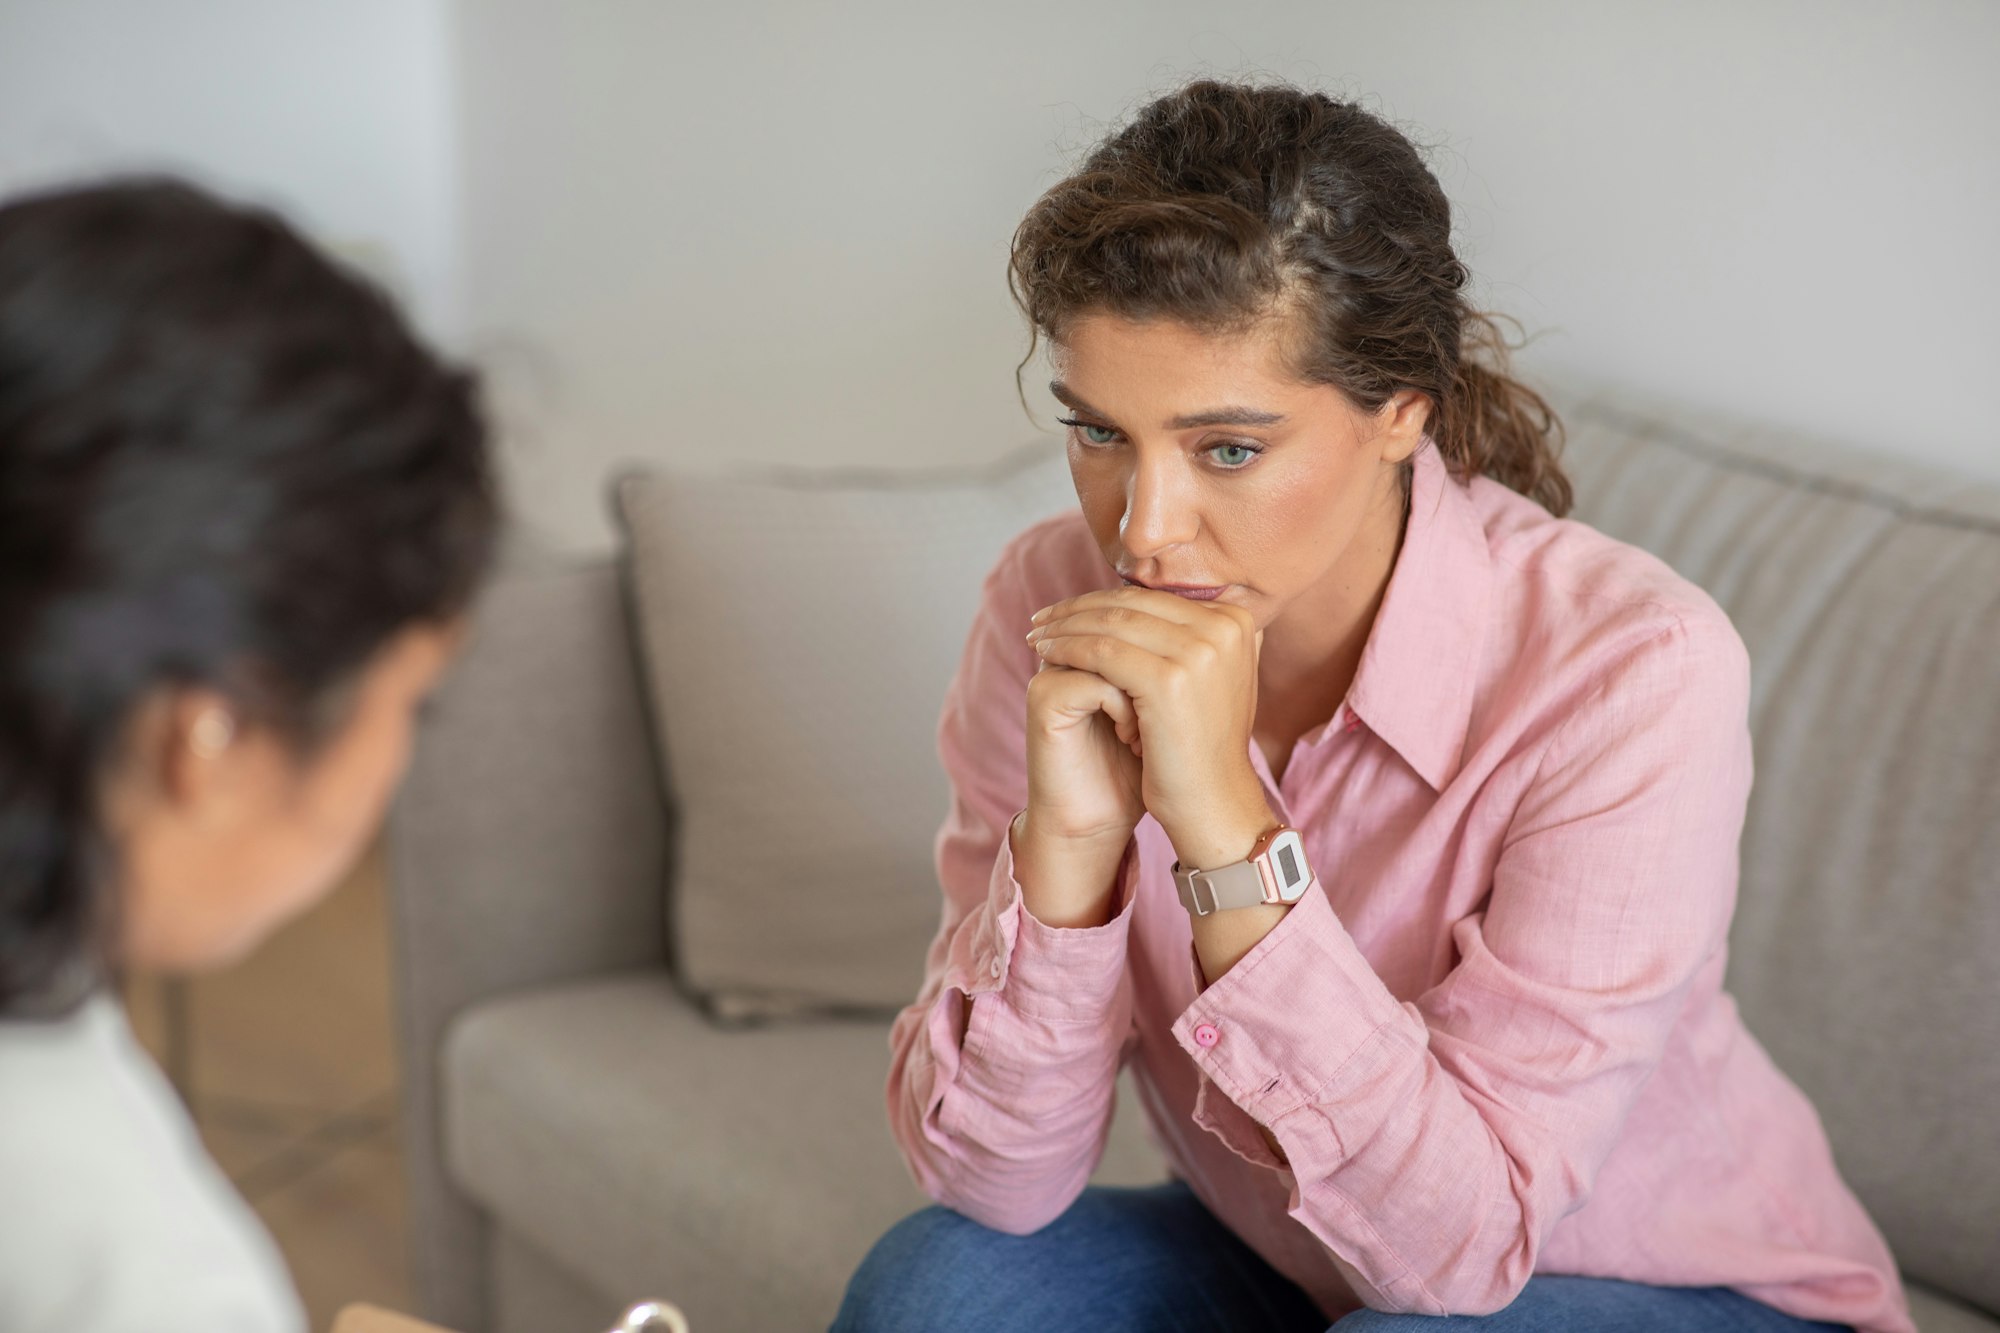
291,1070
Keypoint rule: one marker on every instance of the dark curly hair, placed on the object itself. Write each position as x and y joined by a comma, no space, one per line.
224,462
1222,204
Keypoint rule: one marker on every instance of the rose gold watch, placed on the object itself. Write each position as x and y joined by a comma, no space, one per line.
1276,871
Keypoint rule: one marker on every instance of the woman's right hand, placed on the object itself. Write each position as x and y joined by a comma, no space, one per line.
1085,797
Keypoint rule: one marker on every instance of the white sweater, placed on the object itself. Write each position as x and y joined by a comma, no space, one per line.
113,1218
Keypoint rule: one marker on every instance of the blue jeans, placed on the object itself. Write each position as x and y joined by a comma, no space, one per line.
1156,1261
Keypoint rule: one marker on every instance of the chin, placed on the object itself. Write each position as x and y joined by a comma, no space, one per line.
188,951
226,942
231,951
1261,608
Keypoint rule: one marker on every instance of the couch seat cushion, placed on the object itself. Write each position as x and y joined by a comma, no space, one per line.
1937,1314
653,1154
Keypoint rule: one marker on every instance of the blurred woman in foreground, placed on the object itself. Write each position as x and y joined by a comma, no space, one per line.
241,514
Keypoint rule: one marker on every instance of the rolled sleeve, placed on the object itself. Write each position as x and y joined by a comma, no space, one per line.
1020,1104
1057,974
1288,1017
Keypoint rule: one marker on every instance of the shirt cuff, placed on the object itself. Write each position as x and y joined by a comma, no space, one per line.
1276,1032
1054,974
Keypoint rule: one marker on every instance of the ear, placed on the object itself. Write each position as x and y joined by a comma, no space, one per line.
1401,422
190,748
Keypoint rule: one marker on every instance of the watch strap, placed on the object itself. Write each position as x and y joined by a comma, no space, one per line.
1249,882
1219,890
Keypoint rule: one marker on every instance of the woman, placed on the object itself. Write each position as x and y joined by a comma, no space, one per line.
241,512
1385,823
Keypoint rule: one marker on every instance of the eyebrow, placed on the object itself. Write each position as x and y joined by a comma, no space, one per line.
1215,416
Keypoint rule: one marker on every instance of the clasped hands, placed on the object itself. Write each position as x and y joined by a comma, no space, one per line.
1145,704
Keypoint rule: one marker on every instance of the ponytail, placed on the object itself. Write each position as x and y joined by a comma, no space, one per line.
1493,425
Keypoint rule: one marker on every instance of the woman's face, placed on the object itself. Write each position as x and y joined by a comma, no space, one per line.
1204,466
221,841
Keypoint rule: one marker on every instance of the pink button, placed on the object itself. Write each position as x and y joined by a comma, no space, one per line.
1353,722
1206,1035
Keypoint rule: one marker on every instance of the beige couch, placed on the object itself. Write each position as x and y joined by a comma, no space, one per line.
616,1091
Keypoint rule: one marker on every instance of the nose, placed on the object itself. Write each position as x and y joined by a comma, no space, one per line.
1159,508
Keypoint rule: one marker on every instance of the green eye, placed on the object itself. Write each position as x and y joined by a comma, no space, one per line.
1092,434
1234,455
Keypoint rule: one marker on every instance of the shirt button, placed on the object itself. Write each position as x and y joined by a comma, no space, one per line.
998,967
1206,1035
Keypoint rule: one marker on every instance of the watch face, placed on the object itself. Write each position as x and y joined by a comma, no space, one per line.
1288,866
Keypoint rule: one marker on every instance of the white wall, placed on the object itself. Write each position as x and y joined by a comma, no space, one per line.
336,113
777,231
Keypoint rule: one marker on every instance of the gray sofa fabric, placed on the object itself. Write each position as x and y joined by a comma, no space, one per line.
1866,947
1935,1313
606,1143
798,635
712,1152
534,1294
527,847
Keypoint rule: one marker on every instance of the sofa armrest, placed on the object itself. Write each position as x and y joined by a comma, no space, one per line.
528,846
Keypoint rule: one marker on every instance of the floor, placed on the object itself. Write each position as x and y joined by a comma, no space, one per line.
290,1064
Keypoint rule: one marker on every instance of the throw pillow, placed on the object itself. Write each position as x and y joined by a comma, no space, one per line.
798,631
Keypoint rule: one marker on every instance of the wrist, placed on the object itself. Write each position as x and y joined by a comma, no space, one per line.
1067,881
1222,836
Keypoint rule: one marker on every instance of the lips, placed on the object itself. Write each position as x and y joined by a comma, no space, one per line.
1193,592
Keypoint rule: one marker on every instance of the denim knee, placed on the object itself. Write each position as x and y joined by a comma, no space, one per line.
1378,1321
1148,1260
914,1279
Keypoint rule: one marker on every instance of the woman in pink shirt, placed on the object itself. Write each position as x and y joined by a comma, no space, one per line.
1383,821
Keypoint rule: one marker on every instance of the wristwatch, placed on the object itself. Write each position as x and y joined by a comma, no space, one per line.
1276,871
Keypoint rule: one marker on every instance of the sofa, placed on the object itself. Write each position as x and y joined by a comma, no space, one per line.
660,872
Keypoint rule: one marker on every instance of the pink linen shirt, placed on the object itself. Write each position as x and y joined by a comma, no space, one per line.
1492,1039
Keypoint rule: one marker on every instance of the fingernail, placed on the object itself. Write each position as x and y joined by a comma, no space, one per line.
1041,645
1039,616
1034,634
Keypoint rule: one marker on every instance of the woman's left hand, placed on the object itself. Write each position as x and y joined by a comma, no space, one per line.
1190,669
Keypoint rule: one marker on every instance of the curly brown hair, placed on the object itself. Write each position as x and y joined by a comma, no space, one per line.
1223,204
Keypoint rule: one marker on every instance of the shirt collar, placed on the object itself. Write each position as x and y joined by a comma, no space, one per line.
1418,671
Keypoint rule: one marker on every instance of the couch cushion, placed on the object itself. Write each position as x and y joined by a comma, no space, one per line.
1866,948
533,1294
1933,1313
651,1153
799,631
